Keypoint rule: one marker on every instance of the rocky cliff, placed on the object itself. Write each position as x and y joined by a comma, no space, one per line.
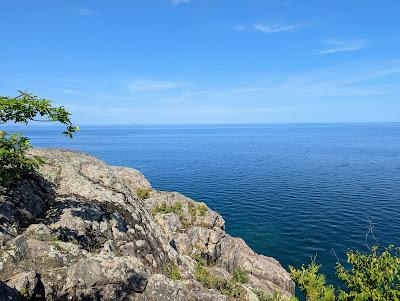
83,230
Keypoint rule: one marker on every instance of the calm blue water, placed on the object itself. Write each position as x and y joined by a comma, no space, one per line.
291,191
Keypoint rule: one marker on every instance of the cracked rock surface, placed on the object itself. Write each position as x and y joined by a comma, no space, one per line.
81,231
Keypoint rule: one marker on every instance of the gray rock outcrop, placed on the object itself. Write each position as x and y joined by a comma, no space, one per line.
82,230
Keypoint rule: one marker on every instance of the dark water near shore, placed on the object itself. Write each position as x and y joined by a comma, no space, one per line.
291,191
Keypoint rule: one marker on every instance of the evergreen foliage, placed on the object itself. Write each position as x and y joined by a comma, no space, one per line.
366,277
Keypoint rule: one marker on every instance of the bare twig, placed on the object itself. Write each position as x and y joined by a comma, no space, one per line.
370,232
21,93
42,120
333,252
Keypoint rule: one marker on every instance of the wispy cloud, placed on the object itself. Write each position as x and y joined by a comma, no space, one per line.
152,85
362,79
279,95
67,91
84,12
272,28
334,46
177,2
340,82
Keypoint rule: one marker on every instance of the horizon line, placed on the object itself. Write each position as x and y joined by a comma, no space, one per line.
207,124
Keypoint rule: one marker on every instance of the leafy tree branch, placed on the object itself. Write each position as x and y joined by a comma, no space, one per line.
24,108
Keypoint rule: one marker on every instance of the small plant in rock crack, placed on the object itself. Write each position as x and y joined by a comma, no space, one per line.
202,209
240,275
227,287
172,271
175,274
143,193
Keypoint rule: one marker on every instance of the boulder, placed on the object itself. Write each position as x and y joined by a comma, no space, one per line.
29,285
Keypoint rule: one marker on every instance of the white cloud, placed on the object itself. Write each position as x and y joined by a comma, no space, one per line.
67,91
334,46
177,2
152,85
84,12
273,28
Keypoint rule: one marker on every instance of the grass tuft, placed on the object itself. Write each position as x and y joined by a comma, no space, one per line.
240,275
177,208
202,209
172,271
175,274
164,209
143,193
24,292
229,288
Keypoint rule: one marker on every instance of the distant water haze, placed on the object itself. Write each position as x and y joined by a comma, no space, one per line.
290,191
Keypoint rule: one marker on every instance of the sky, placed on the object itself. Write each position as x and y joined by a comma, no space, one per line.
206,61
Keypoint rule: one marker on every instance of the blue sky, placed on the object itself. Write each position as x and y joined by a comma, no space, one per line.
206,61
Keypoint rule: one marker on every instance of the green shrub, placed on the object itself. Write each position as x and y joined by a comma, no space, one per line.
175,274
24,292
369,277
143,193
229,288
56,239
312,284
202,209
374,276
240,275
164,209
262,296
198,256
14,164
192,211
199,210
177,208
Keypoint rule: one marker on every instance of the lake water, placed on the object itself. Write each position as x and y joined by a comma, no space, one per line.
290,191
